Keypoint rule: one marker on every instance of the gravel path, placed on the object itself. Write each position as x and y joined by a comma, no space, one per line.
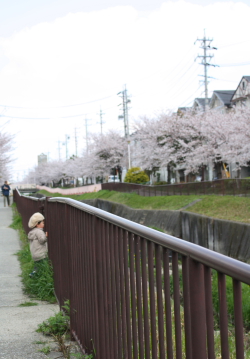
18,324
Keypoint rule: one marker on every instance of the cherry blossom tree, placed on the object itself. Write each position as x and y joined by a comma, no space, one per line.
105,152
193,139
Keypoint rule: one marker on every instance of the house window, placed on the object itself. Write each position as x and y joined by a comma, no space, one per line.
243,85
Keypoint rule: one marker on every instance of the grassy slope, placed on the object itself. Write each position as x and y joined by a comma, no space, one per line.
223,207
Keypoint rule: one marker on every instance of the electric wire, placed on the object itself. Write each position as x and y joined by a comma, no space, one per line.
235,64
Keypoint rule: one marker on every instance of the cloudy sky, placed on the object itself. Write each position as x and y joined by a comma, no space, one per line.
63,61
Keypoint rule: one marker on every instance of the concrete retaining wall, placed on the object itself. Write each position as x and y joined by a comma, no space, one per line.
169,221
75,190
226,237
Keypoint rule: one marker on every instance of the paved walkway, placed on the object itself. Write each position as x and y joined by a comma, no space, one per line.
17,324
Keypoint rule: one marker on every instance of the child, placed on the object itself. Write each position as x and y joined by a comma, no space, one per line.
38,240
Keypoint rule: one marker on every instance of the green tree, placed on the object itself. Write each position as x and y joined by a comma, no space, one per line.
136,175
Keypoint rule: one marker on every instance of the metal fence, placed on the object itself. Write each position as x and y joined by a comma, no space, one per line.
138,293
233,187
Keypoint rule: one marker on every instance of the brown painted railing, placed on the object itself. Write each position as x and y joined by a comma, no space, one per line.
123,283
27,206
233,187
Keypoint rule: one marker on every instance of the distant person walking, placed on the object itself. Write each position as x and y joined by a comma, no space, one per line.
6,193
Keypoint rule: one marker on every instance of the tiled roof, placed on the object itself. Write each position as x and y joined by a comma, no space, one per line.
201,101
225,96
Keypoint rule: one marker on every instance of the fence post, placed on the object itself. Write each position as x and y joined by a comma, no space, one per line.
101,342
197,309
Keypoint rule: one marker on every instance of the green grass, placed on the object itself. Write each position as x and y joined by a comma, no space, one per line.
223,207
41,286
133,200
28,304
46,350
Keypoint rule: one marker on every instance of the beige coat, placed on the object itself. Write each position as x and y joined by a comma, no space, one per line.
38,244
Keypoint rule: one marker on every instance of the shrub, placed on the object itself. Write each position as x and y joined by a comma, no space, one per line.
136,175
160,183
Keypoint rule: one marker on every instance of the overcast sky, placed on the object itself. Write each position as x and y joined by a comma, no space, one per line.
61,62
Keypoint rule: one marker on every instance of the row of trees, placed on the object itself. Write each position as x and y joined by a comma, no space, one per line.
192,140
189,141
104,152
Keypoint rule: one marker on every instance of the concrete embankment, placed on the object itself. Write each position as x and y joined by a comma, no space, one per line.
226,237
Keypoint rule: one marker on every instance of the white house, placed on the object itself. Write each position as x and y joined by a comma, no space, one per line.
222,100
241,96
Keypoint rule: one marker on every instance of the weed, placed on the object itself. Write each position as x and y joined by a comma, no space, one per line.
46,350
39,342
28,304
82,356
56,325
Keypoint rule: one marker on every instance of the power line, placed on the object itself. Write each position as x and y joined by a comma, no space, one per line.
79,104
235,64
175,80
191,96
237,43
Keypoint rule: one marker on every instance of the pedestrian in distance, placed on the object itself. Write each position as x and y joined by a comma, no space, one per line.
38,241
6,193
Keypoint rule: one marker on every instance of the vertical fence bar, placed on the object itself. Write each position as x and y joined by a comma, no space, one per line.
145,297
122,291
167,304
158,260
113,289
186,304
238,319
100,293
175,268
139,295
152,298
109,292
127,294
85,278
133,295
209,313
118,293
223,316
197,309
106,294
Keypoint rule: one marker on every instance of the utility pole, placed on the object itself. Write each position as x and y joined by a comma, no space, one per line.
125,100
124,116
59,149
76,141
101,120
86,131
205,44
66,145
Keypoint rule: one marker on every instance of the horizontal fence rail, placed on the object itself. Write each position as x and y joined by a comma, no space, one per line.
138,293
27,206
233,187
